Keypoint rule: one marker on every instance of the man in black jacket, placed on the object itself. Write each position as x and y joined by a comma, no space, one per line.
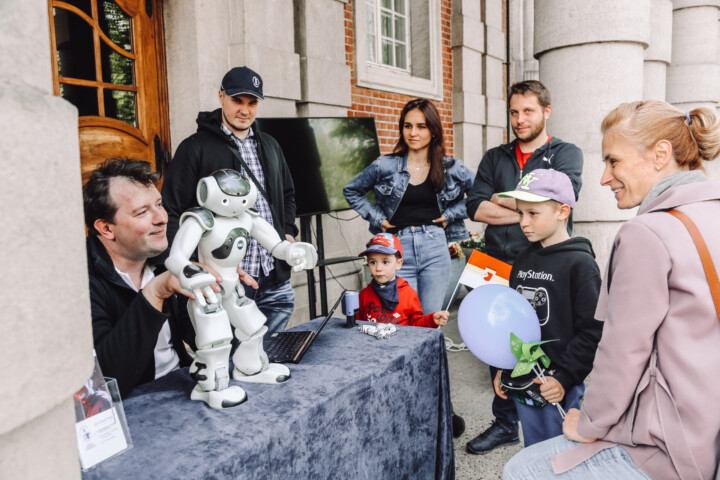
139,322
500,170
229,138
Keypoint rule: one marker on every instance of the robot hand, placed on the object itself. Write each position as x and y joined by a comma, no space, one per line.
299,255
197,280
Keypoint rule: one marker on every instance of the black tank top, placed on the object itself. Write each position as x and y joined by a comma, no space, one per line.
419,206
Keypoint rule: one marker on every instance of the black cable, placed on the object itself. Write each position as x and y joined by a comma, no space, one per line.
343,219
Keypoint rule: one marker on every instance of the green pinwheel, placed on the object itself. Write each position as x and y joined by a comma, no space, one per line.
528,355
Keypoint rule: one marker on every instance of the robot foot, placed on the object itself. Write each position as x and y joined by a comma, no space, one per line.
230,397
275,373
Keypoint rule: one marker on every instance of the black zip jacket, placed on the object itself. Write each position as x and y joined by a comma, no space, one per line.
126,327
499,172
562,282
206,151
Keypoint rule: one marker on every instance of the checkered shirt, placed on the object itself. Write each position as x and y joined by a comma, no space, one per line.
256,255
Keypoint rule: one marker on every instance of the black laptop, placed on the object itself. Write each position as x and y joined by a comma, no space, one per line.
289,347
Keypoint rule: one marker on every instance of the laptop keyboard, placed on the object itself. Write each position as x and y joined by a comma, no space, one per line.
286,346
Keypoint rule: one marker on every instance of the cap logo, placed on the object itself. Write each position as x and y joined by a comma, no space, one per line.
527,180
380,239
256,81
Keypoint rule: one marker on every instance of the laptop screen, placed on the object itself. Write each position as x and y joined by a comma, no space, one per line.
327,317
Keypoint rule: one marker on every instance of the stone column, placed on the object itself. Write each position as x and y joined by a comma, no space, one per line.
693,78
657,55
591,60
46,339
494,81
205,38
468,44
478,44
320,42
522,26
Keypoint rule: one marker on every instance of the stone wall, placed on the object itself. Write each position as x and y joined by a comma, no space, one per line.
46,339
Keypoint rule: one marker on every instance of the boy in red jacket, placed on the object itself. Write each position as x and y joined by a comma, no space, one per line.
388,298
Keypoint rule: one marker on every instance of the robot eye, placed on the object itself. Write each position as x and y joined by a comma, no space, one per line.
244,202
225,201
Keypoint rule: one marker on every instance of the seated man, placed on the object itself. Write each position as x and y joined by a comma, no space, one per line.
139,322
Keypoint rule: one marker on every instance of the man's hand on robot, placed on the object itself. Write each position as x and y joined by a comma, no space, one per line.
247,279
302,256
200,283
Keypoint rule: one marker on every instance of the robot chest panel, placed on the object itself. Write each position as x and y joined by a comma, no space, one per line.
227,243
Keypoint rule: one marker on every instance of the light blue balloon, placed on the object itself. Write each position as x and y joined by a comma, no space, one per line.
486,317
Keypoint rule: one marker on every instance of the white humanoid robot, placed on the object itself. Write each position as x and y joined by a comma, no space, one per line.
221,229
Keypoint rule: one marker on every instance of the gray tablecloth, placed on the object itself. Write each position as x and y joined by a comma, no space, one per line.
355,408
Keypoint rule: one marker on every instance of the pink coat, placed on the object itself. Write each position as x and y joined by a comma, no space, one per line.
671,428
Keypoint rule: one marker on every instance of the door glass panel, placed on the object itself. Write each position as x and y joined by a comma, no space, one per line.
400,6
121,105
83,5
84,98
116,24
115,67
75,52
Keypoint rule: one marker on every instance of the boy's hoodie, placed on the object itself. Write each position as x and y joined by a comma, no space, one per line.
562,282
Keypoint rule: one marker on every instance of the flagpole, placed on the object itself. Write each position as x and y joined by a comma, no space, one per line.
452,297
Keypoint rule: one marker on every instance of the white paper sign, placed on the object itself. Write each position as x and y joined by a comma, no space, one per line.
99,437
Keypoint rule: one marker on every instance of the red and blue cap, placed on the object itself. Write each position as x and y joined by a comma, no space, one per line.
386,243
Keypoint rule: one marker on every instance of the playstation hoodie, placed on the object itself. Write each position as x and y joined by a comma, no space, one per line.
562,283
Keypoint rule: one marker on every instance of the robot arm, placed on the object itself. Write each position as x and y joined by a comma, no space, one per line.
193,278
299,255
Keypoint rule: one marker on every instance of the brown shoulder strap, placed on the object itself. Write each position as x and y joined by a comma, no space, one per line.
705,257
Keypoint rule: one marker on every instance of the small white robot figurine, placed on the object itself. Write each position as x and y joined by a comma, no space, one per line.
221,229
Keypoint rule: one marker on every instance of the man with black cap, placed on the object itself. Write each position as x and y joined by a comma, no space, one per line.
229,138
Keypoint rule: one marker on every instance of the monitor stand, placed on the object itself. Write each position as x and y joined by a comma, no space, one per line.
305,235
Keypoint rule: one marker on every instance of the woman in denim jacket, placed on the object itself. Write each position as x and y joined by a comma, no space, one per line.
419,197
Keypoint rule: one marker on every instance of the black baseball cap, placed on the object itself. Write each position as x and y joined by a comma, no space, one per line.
241,80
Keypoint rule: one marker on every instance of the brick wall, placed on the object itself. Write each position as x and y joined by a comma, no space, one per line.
386,106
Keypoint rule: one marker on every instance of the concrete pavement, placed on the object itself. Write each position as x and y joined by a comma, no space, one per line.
472,395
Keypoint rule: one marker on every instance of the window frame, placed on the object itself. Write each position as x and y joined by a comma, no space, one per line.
377,46
375,75
100,84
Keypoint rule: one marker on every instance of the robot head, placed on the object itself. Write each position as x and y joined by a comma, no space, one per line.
226,193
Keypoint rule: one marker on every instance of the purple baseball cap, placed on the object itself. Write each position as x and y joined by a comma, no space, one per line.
542,185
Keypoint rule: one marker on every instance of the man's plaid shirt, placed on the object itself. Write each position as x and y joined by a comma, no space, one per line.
256,254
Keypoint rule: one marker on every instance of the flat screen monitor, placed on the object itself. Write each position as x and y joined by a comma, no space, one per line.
323,155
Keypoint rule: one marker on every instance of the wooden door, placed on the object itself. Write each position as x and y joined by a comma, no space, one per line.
108,60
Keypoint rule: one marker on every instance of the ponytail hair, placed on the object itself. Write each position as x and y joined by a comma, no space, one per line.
694,135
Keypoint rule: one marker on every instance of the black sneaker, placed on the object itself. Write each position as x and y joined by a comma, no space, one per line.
458,425
495,436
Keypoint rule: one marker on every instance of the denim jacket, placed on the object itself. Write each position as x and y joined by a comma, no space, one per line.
388,177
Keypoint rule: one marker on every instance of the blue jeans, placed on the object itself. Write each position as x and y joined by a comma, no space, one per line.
540,424
534,462
276,302
426,264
